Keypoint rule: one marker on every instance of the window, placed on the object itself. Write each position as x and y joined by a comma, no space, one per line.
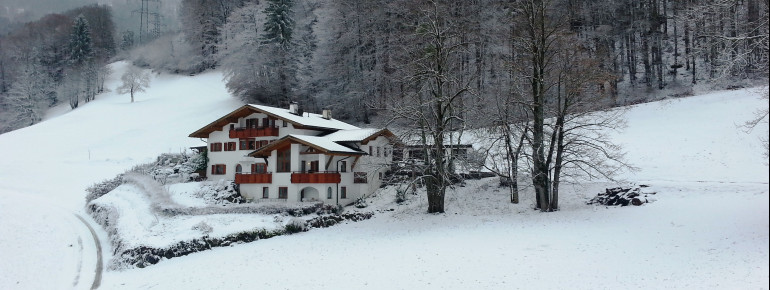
359,177
370,150
313,166
230,146
218,169
247,144
263,143
329,193
283,192
259,168
379,175
251,123
385,152
343,166
284,160
238,168
285,123
343,192
265,192
378,152
265,122
215,147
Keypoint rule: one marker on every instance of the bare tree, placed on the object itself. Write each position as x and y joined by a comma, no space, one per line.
134,80
431,108
566,83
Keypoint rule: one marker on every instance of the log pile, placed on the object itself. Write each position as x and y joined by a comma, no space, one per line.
623,196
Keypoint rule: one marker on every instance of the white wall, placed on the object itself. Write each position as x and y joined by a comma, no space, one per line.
372,165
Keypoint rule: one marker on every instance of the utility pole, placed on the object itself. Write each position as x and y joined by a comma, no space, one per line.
145,21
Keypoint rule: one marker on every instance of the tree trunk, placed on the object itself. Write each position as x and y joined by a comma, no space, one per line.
436,192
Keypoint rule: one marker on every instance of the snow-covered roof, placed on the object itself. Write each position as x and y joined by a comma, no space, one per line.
320,143
361,135
306,119
325,143
356,135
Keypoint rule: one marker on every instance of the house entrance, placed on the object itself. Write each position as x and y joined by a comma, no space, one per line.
309,194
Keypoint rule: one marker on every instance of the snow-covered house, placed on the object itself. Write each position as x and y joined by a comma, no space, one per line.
277,154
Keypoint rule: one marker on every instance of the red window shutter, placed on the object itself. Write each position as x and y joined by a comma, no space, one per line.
254,168
213,169
224,169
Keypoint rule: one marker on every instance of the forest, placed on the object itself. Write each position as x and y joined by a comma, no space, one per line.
356,57
529,73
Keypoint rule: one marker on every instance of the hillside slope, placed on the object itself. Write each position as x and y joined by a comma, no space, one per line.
708,229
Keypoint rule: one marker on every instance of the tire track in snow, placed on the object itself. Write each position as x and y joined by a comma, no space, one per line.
99,264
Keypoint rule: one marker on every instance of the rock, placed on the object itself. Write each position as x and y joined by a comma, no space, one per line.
636,201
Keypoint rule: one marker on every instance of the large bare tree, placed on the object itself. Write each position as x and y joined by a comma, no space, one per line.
431,108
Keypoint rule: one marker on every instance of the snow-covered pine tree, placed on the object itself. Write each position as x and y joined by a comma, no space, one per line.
277,42
279,25
81,49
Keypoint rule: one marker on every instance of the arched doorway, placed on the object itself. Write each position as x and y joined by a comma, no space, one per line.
309,194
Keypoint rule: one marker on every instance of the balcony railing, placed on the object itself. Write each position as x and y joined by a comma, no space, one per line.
253,132
316,177
247,178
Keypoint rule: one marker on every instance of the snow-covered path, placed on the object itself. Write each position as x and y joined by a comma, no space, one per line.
39,234
46,167
99,268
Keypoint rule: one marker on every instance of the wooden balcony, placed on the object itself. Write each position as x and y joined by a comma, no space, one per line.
253,132
247,178
318,177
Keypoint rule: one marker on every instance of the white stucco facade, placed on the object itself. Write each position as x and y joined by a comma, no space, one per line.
275,155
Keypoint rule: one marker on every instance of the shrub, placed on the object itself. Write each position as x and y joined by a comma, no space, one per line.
203,227
296,225
361,202
99,189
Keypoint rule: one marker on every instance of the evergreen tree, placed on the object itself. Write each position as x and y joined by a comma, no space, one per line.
277,40
279,25
81,50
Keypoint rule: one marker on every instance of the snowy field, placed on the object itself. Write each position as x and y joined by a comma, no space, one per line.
707,229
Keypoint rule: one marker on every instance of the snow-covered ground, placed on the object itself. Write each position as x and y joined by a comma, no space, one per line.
708,228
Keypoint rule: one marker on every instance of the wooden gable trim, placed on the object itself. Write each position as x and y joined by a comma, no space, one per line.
354,163
384,132
217,125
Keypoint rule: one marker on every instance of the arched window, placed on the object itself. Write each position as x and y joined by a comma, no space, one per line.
329,193
238,169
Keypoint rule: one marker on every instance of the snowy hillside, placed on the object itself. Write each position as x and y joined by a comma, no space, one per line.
708,228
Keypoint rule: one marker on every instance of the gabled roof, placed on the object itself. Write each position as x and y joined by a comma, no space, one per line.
359,135
307,120
321,144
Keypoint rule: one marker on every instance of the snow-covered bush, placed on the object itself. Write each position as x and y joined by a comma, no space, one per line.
99,189
203,227
361,202
400,195
296,225
220,192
